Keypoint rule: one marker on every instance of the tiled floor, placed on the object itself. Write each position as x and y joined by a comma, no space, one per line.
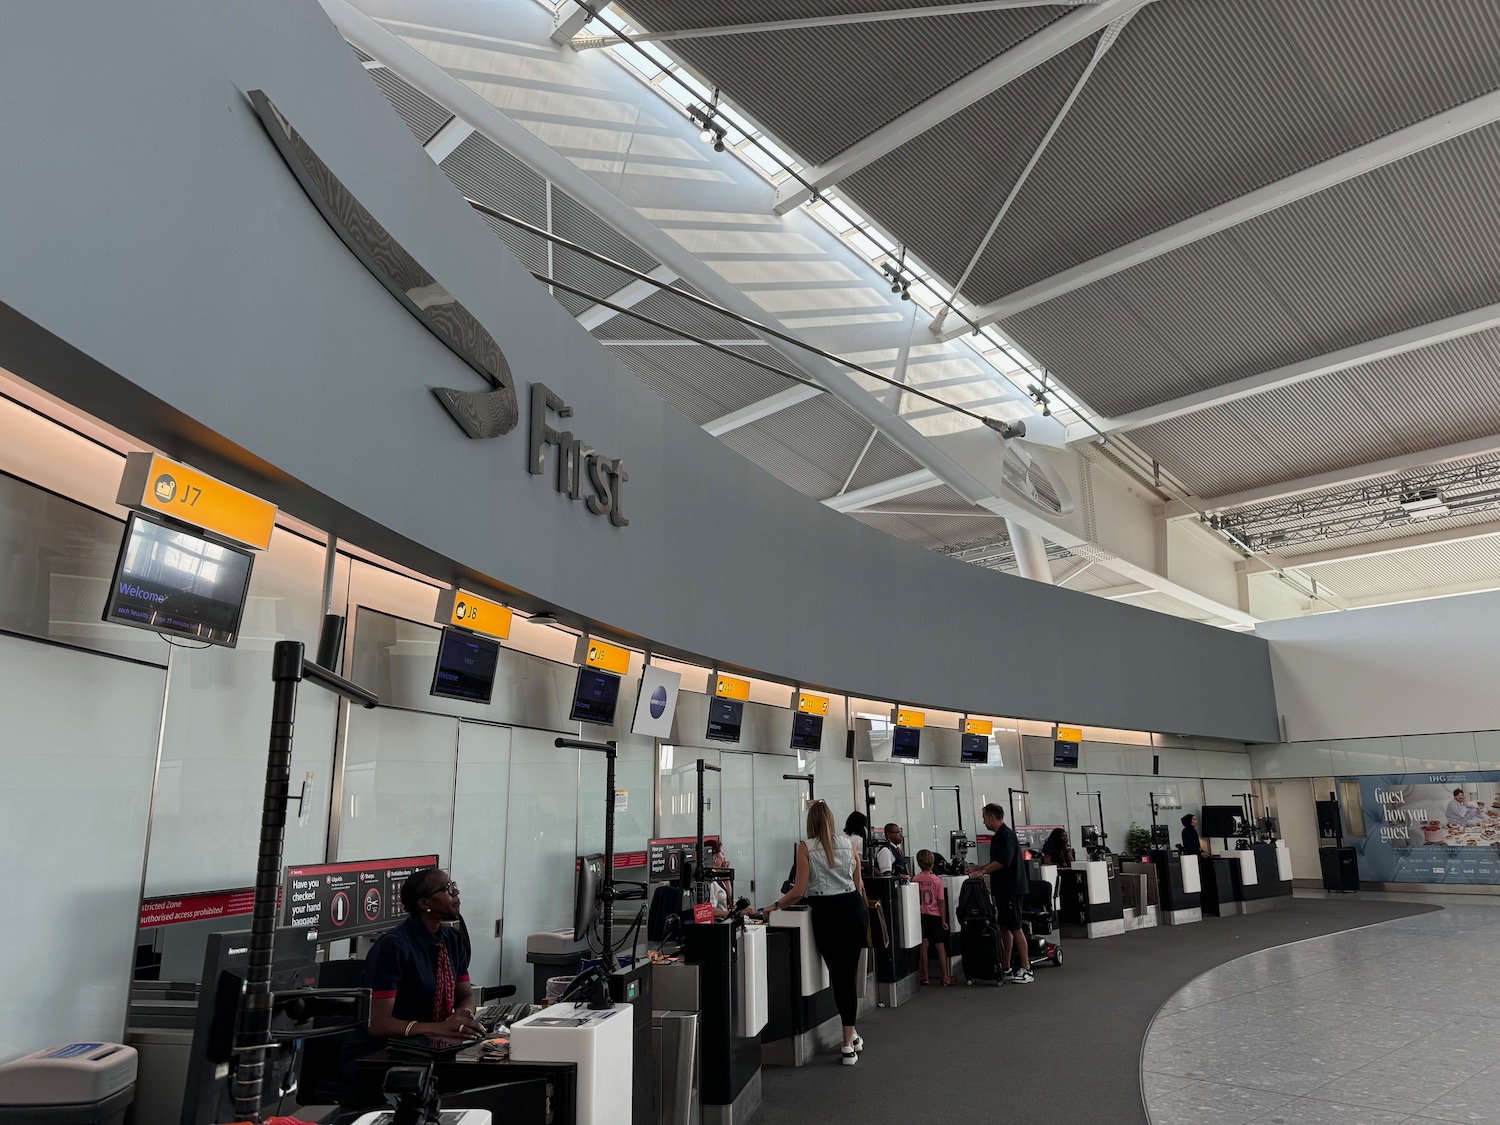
1396,1022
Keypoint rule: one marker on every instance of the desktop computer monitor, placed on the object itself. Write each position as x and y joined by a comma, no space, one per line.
586,894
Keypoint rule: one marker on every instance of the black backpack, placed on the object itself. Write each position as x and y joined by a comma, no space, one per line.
975,903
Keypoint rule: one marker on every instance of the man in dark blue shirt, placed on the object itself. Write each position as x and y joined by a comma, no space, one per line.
1009,883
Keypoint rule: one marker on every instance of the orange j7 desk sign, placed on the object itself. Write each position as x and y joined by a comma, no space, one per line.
152,483
470,611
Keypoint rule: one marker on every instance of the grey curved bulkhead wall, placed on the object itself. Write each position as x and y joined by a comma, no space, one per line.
161,268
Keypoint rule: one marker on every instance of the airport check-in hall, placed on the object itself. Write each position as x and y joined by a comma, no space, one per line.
653,563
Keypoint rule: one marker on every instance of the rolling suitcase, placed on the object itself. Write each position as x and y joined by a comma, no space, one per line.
979,944
978,933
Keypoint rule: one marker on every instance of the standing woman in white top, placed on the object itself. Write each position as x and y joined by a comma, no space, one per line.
828,874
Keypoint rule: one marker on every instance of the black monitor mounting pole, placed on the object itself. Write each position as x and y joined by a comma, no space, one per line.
807,777
870,817
1098,795
700,884
289,667
607,895
1011,800
957,799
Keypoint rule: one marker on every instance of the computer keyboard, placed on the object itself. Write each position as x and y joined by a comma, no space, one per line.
493,1016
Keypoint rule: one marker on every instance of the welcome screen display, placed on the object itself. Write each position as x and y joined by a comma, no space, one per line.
172,581
466,667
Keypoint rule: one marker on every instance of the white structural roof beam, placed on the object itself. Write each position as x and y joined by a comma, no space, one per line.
626,297
1465,118
892,489
1398,343
1486,530
1106,41
771,404
1352,474
570,18
1023,58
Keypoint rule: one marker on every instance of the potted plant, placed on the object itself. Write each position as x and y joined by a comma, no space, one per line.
1137,840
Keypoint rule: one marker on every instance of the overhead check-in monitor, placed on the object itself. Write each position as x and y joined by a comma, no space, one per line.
724,719
466,666
807,731
1065,748
906,743
595,696
169,580
974,750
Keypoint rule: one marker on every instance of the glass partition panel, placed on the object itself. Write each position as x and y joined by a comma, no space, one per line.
833,772
399,772
541,847
737,784
75,794
780,821
205,828
679,791
890,804
921,814
56,561
479,834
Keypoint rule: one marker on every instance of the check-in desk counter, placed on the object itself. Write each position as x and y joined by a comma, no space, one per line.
1138,898
1179,887
518,1093
953,885
1091,905
897,941
1216,875
1262,877
801,1016
728,958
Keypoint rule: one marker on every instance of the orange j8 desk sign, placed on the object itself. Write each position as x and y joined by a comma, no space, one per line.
812,704
470,611
153,483
979,726
905,718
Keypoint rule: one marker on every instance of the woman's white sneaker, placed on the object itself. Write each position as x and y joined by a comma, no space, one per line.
859,1043
850,1056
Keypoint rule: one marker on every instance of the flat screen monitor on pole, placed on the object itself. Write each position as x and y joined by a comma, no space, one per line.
169,580
1064,755
586,895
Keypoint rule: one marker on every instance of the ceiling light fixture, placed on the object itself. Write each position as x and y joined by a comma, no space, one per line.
709,129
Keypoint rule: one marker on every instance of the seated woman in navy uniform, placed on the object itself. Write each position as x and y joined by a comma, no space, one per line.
417,973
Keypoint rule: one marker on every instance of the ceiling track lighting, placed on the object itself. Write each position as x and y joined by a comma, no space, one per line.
710,131
895,273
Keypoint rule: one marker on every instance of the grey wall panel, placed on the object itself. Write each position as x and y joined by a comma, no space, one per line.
204,305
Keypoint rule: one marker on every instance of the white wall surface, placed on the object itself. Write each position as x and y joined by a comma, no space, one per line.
1419,668
75,794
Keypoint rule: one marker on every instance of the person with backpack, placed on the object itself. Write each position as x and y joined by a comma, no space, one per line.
829,876
1009,883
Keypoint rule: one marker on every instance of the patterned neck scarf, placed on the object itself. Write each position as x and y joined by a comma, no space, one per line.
446,985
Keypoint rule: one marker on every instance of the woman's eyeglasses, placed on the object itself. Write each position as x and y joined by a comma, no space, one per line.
443,889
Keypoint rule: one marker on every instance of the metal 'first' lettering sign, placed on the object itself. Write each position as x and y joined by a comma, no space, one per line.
582,473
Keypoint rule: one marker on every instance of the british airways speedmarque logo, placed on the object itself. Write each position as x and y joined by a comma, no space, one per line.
481,414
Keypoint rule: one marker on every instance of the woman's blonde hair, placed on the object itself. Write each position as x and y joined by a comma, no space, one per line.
820,827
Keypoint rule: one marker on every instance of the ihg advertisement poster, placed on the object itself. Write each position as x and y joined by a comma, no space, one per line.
1430,827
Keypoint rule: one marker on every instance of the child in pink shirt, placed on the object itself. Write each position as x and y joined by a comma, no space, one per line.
934,906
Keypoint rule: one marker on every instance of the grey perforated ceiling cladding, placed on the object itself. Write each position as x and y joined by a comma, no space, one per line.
821,89
422,115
